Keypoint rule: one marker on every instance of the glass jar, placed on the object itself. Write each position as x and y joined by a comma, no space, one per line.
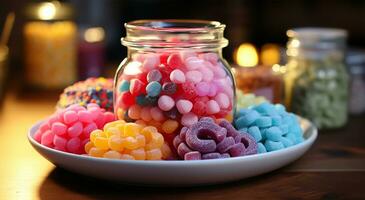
50,45
356,65
174,74
316,80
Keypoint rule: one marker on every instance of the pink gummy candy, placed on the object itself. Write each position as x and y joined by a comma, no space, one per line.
68,130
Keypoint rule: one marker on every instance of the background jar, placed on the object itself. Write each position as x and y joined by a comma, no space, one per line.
174,74
316,80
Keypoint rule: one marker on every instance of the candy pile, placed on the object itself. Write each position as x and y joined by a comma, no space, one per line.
69,129
170,90
271,126
208,140
92,90
247,100
127,141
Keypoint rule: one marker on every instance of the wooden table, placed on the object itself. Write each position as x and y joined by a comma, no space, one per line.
333,169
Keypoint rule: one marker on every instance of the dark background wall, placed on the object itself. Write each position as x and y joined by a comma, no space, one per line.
256,21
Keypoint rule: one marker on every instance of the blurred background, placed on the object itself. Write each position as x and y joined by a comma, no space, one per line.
85,36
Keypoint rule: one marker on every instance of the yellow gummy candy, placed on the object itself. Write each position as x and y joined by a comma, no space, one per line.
101,142
115,143
154,154
131,129
156,141
88,146
96,152
141,140
112,131
129,143
127,157
112,155
166,151
96,133
169,126
113,124
147,132
138,154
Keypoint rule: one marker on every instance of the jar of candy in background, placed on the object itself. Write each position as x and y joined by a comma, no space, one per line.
50,45
174,74
316,80
356,66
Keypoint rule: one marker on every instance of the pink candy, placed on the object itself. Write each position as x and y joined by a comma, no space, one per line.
184,106
166,103
177,76
67,130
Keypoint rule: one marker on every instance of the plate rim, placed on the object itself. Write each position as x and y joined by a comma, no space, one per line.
307,142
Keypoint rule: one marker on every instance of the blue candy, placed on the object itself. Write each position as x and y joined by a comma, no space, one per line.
272,127
273,134
124,86
263,122
273,146
153,89
141,100
254,131
276,120
247,119
286,142
261,148
243,130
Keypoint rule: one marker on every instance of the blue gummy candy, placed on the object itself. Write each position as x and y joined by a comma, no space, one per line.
264,108
273,146
261,148
280,108
276,120
153,89
124,86
286,142
254,131
247,119
141,100
284,128
242,112
273,134
291,137
263,122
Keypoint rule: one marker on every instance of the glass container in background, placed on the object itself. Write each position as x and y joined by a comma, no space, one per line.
174,74
356,66
50,45
262,80
316,80
91,52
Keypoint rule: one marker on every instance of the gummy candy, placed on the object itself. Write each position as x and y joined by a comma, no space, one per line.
270,125
206,139
127,141
69,129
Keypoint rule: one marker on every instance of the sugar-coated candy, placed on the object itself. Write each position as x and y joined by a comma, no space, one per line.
174,89
165,103
169,88
154,75
153,89
270,125
194,76
127,141
184,106
92,90
69,129
206,139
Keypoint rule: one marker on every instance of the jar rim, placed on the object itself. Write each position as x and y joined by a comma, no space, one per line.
174,25
174,33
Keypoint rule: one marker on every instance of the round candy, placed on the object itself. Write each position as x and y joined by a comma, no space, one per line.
91,90
69,129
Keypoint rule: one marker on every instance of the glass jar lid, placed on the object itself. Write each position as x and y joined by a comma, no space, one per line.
176,34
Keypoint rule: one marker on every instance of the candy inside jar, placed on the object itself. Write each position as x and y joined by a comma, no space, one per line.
174,75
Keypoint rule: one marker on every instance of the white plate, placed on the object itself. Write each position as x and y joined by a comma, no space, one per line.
177,173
